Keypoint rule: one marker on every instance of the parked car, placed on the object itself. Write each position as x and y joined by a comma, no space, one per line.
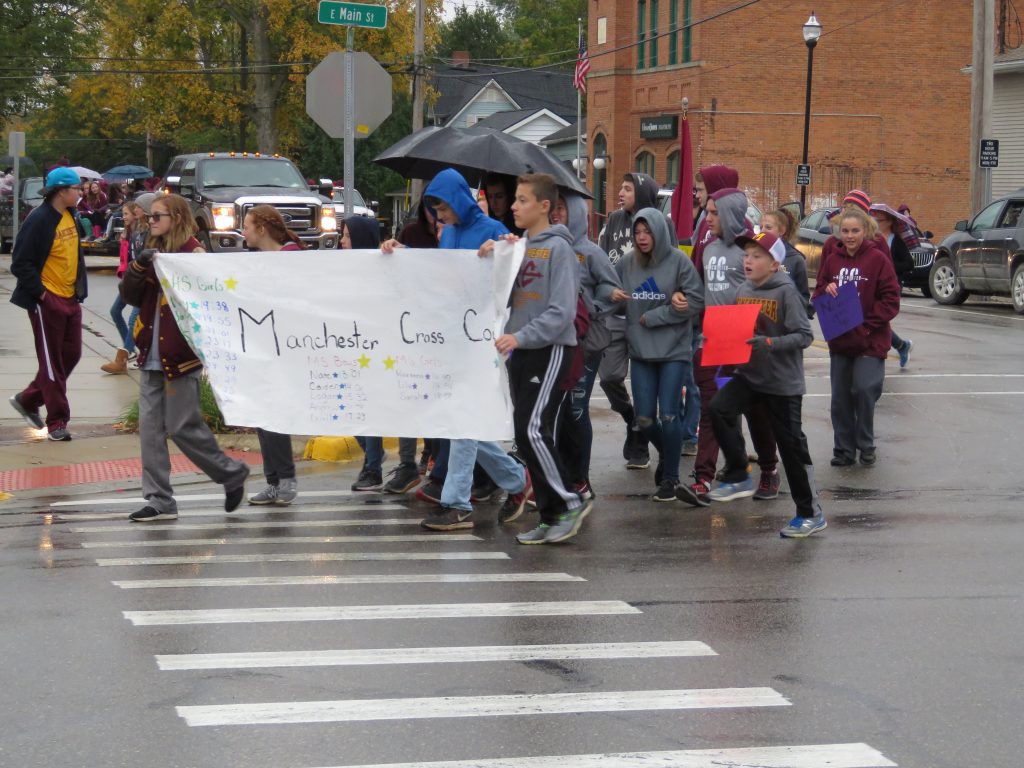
984,256
30,197
816,228
222,187
665,204
359,206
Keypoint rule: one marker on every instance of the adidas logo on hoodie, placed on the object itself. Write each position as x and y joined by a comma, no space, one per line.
648,289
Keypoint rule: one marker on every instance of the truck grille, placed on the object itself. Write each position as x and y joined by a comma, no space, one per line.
300,219
922,258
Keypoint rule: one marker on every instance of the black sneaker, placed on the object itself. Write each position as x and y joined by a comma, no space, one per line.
233,496
368,481
841,461
867,458
688,494
148,514
404,478
449,519
515,503
484,492
32,417
666,492
59,435
430,492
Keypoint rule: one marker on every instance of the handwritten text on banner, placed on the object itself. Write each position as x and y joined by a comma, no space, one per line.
350,342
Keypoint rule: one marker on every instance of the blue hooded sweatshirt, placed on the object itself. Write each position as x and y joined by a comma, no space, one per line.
475,227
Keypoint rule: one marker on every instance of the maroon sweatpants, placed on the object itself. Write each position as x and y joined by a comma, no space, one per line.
761,435
57,328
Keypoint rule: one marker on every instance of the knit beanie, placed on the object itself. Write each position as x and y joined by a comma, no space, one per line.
860,198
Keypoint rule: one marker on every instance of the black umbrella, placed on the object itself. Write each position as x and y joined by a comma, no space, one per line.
473,152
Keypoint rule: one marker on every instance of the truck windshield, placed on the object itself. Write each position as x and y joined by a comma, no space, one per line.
246,172
338,196
33,189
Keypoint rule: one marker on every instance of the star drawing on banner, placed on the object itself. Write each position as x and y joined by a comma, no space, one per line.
335,374
364,361
230,283
164,283
196,328
389,363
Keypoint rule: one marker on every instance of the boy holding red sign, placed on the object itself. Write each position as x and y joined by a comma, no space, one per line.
774,377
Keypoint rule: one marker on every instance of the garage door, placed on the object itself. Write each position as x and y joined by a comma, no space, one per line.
1008,127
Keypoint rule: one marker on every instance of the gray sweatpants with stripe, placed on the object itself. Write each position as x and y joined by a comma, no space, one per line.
856,387
169,408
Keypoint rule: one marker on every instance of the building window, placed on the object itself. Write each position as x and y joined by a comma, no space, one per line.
645,163
641,20
654,33
673,43
687,37
672,171
600,174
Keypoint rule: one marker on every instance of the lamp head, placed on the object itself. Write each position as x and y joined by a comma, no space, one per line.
599,163
812,30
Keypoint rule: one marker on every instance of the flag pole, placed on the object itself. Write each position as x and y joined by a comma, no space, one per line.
579,106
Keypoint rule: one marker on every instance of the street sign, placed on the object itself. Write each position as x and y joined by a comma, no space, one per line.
325,94
803,175
352,14
989,153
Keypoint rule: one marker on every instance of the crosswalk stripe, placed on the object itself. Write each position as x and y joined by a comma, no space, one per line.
185,497
330,579
225,540
379,612
250,511
299,557
800,756
362,710
230,525
437,655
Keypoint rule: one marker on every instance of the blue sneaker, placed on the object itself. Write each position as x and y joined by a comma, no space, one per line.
730,491
802,527
904,352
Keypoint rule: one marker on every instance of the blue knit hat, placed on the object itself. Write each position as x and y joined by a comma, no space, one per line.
61,177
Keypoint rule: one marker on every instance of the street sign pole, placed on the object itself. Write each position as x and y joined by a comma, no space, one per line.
16,148
350,127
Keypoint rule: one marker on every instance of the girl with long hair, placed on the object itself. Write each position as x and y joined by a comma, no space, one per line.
133,239
169,386
265,230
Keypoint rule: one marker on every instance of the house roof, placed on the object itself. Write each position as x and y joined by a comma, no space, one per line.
500,121
565,134
1015,54
530,89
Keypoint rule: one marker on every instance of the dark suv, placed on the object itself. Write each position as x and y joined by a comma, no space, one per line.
222,187
984,256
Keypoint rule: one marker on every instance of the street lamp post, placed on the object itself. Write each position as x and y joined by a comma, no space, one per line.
812,31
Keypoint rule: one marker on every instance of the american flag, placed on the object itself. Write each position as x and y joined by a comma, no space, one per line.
579,78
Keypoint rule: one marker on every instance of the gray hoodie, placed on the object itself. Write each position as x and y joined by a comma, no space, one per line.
617,236
783,319
544,296
723,259
667,334
597,277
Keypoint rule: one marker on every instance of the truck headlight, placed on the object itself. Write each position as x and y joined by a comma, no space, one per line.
328,221
224,217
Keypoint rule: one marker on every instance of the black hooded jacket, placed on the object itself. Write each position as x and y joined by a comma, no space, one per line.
617,236
363,231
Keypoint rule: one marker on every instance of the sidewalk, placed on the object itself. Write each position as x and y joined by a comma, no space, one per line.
99,453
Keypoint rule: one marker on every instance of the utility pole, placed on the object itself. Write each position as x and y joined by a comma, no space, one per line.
981,98
417,89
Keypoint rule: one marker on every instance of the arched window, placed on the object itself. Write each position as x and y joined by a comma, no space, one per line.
600,174
645,163
672,170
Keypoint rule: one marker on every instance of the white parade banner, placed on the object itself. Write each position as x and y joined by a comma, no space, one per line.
350,342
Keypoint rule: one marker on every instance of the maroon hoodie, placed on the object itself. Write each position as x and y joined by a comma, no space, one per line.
716,177
879,292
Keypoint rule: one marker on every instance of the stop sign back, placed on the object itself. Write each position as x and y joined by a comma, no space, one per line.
325,94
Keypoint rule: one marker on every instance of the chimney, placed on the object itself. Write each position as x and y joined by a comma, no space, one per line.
460,59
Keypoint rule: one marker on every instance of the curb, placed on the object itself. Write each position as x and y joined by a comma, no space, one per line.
329,448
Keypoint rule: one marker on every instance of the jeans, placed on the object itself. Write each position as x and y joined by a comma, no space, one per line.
691,403
656,389
124,330
506,472
373,447
575,433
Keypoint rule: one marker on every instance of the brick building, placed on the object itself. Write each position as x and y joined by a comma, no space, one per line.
890,108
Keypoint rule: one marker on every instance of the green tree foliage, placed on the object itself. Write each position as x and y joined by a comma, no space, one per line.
38,38
547,30
480,31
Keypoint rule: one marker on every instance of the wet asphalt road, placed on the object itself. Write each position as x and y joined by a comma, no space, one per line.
897,628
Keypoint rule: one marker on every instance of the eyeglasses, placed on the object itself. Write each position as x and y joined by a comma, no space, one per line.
76,187
156,216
